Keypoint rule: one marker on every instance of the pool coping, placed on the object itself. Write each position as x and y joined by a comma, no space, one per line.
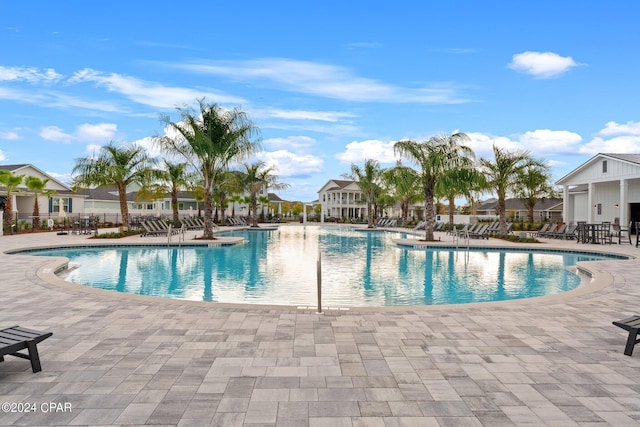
600,278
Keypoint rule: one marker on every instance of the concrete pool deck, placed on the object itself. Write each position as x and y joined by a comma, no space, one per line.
116,359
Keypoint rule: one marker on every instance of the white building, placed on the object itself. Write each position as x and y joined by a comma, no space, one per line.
605,188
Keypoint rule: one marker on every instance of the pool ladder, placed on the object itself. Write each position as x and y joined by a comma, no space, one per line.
456,238
181,234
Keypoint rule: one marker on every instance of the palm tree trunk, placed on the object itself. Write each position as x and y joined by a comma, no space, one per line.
429,215
208,214
452,208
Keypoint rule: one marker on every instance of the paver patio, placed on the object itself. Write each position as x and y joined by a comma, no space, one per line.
117,359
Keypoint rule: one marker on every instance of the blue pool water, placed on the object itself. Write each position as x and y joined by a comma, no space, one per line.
358,269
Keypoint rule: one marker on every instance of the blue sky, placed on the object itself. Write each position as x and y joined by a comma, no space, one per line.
328,83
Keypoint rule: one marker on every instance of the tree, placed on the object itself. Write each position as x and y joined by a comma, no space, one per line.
175,178
405,186
257,176
11,182
368,180
502,176
38,186
209,140
461,181
263,201
437,157
118,166
533,184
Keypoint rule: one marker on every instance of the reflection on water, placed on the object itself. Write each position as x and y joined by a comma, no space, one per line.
359,269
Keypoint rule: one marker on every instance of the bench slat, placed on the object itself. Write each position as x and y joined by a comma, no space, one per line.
17,338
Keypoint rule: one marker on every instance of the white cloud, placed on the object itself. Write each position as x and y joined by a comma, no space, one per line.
2,156
542,65
290,164
100,133
9,135
359,151
54,133
291,142
324,80
625,144
149,93
324,116
545,141
622,139
28,74
613,128
482,144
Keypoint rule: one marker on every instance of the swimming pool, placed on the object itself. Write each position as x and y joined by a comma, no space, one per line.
358,269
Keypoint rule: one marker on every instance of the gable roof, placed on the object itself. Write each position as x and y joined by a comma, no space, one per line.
633,159
17,169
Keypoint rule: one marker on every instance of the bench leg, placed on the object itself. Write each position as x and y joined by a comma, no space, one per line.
35,358
631,341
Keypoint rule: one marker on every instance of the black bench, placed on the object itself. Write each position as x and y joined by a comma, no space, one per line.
16,338
631,324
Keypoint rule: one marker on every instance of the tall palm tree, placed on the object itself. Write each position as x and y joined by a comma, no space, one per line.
368,179
10,182
502,175
405,185
37,186
118,166
533,184
462,181
176,178
258,176
209,140
437,157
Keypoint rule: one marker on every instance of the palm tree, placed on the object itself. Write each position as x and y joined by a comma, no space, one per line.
227,185
437,157
533,184
257,177
38,186
405,185
118,166
263,201
209,140
502,175
11,183
461,181
175,178
368,180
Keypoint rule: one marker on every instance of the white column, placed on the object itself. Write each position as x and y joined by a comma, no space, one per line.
592,208
304,214
624,190
567,215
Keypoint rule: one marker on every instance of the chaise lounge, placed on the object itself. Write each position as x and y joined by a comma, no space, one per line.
17,338
631,324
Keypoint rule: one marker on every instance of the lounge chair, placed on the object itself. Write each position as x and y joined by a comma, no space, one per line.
631,324
150,229
549,233
570,233
16,338
480,233
543,230
559,233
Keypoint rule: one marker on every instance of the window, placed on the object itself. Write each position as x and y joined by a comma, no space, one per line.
604,166
599,209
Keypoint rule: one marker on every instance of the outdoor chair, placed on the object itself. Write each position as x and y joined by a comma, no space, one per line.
481,233
543,230
559,233
631,324
16,338
549,233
